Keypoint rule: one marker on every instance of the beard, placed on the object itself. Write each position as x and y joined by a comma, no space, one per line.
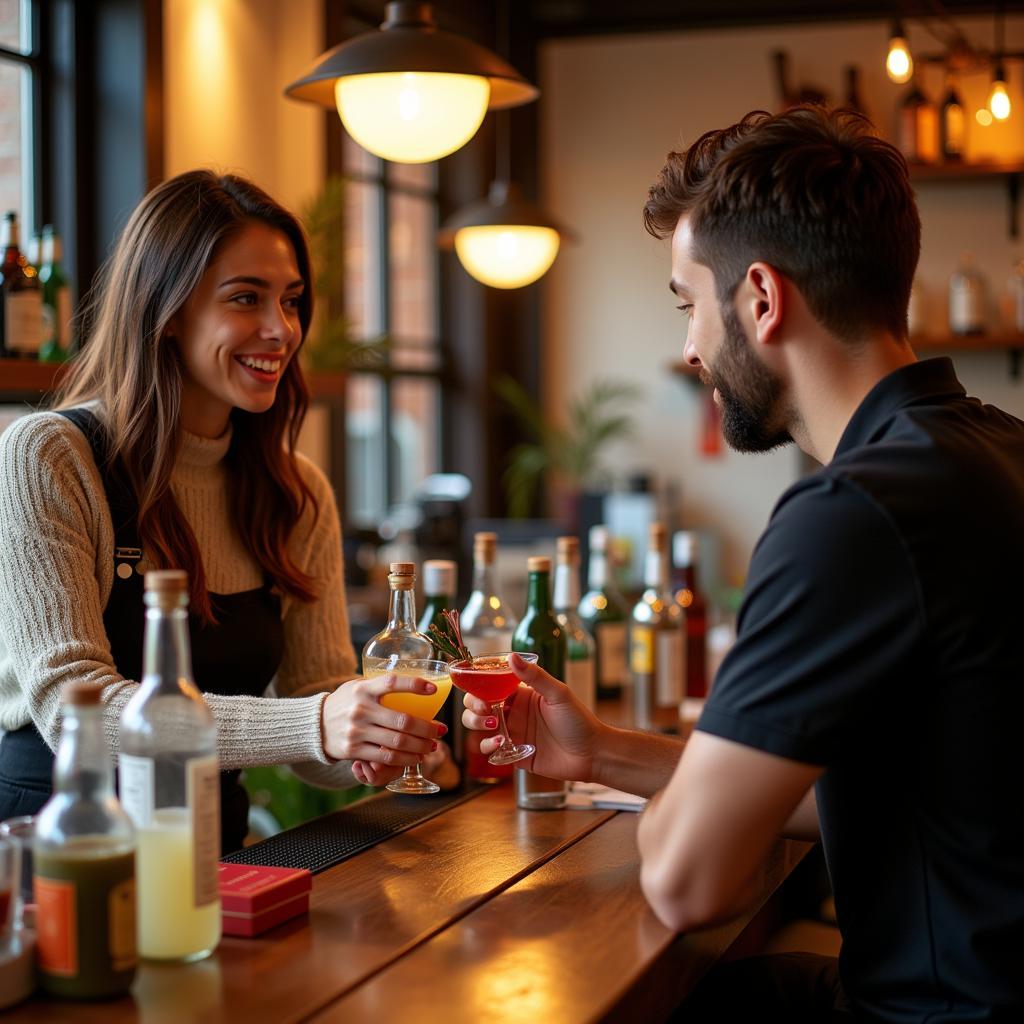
750,394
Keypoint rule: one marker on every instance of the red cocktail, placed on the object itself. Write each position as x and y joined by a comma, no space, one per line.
489,678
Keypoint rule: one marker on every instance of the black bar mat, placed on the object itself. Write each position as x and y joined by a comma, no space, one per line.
323,842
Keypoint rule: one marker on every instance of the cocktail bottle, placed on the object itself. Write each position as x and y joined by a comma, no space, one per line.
400,639
170,785
84,863
579,660
694,606
605,615
439,586
657,652
540,632
487,625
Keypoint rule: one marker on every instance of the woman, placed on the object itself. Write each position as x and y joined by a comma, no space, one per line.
173,446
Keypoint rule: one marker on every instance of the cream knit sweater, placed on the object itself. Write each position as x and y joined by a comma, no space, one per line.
56,573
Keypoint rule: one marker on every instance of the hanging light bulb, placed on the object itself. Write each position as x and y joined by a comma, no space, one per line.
998,98
410,92
503,241
899,65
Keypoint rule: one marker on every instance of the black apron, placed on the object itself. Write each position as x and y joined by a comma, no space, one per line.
237,656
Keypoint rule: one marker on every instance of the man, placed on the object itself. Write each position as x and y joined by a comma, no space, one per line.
876,689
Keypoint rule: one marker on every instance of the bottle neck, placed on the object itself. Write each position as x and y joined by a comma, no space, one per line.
597,573
539,593
567,587
402,611
166,655
83,766
655,575
485,578
687,575
11,236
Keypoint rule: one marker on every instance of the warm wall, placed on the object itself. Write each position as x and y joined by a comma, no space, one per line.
611,108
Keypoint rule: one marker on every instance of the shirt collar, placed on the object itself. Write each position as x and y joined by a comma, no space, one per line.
910,385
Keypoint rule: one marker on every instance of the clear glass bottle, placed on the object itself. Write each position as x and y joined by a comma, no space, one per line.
967,299
84,863
579,662
952,123
918,127
21,298
657,653
170,785
487,626
694,607
539,632
604,614
400,638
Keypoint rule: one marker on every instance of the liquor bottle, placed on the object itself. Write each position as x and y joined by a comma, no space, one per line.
967,298
918,133
579,663
487,627
539,632
439,585
952,123
604,614
690,599
21,298
170,785
656,643
853,96
84,863
401,637
56,299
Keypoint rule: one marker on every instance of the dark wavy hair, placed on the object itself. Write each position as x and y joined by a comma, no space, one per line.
815,193
130,365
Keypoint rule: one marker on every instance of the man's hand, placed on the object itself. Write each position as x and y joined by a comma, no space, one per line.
546,714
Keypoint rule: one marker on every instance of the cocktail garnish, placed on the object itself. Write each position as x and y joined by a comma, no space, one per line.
448,640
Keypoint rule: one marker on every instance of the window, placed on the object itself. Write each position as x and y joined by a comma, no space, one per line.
19,118
393,415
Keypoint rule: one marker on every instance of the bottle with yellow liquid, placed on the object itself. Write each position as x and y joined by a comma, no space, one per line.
170,785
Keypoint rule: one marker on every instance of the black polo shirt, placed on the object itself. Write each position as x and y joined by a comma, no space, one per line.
881,637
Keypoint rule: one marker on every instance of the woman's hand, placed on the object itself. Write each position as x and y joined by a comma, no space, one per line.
356,726
547,714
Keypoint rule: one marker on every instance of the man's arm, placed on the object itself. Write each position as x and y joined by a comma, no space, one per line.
704,839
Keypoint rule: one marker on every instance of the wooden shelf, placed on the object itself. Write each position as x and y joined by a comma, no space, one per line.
964,171
968,342
30,379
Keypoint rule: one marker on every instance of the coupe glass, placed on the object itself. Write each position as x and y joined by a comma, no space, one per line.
419,705
489,678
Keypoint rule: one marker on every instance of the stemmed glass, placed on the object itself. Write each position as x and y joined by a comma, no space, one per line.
490,678
419,705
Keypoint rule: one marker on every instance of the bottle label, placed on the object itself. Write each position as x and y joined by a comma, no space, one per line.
966,309
23,320
56,926
671,668
954,115
641,650
62,328
121,925
202,788
136,788
611,648
579,677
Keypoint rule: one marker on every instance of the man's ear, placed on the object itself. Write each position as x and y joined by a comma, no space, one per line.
763,295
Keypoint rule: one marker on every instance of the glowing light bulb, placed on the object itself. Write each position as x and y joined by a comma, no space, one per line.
412,117
899,65
999,101
983,117
506,255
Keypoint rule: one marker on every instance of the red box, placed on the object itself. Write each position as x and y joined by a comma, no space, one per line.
254,899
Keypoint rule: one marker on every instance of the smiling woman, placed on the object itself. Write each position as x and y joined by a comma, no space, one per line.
173,446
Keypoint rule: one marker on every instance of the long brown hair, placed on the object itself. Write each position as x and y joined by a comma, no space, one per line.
130,366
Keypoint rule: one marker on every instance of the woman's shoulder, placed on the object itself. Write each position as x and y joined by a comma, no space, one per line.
44,437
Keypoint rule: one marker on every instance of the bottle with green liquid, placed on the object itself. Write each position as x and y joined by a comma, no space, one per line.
83,862
539,632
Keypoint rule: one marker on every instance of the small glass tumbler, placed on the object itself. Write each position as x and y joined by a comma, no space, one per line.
22,831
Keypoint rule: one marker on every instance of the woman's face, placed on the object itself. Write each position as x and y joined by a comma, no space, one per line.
238,329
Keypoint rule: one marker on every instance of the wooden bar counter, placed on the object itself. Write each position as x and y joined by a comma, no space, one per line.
484,912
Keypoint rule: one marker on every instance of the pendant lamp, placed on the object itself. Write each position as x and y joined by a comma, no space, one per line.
410,92
505,240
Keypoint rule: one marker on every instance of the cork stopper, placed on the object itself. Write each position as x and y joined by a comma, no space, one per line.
485,547
599,538
538,563
166,589
568,550
402,576
80,693
685,546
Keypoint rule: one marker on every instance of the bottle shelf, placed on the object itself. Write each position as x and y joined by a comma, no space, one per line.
30,379
962,170
967,342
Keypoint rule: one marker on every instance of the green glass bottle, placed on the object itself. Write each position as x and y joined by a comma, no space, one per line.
542,634
56,299
605,615
439,586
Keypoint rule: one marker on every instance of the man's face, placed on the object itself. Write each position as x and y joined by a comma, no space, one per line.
749,394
